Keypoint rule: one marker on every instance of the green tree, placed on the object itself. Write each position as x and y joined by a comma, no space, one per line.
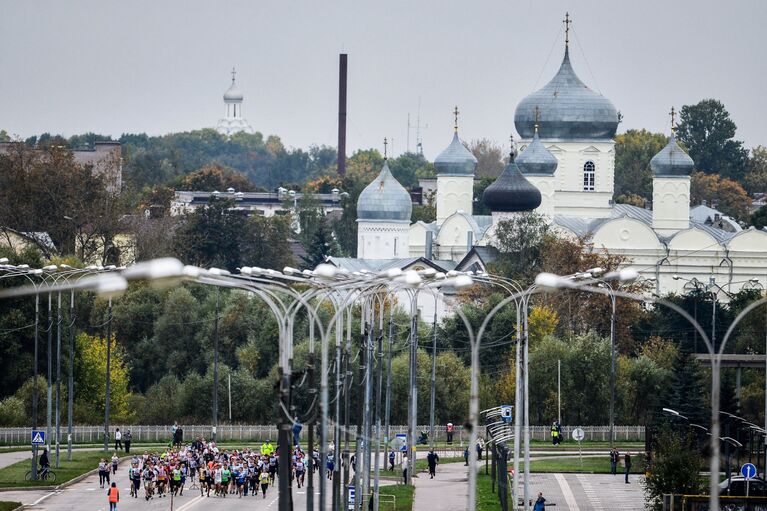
490,158
675,469
210,236
519,241
633,152
266,242
216,178
708,132
759,218
756,178
725,194
321,245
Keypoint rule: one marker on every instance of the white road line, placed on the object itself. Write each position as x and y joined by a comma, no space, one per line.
566,492
190,503
590,492
43,498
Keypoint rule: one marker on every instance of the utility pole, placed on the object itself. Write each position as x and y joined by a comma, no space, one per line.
58,378
559,391
71,379
215,366
35,391
433,374
612,368
50,374
109,376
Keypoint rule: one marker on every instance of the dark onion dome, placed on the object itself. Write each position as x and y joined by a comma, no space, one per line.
511,192
671,160
455,159
536,160
384,199
568,109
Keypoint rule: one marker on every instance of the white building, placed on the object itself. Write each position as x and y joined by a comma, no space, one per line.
565,171
234,122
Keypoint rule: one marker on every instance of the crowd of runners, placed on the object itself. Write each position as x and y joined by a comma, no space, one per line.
202,466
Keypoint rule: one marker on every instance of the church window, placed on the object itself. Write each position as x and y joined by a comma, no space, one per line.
588,176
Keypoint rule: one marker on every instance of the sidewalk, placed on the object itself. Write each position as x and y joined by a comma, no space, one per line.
448,491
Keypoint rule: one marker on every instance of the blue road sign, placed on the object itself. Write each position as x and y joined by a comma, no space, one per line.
38,437
506,413
403,438
748,470
352,497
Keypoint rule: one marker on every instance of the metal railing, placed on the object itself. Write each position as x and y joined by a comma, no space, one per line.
260,433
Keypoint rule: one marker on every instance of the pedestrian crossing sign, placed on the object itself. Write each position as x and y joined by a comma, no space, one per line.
38,437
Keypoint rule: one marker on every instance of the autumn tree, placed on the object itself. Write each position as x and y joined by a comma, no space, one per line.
708,132
490,157
216,178
721,193
90,375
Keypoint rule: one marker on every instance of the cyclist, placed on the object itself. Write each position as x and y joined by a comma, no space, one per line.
45,463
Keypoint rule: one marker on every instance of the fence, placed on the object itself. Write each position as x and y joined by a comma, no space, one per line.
252,433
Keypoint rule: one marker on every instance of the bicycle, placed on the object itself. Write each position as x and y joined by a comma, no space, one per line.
43,474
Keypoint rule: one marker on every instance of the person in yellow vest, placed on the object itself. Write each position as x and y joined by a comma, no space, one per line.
114,497
554,434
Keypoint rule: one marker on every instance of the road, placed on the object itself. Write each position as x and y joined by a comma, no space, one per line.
86,495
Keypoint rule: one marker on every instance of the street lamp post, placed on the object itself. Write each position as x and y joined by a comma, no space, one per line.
107,397
215,366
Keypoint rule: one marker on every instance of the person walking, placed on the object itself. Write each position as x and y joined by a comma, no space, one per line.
113,496
432,459
614,458
297,427
479,449
540,503
405,465
466,457
627,461
391,460
127,440
118,439
554,434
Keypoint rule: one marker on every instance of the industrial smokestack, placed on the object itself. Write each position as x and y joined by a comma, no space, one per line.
342,115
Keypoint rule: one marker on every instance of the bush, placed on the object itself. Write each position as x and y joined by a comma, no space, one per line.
12,412
675,469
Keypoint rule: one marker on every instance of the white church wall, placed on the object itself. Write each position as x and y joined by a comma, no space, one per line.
671,204
454,193
382,240
452,239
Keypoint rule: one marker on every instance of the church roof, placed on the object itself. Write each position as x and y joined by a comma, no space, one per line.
568,109
384,199
233,93
378,265
672,161
588,226
511,192
536,159
455,159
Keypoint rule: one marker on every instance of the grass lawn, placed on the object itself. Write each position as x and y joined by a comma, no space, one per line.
487,500
591,465
82,462
8,506
403,495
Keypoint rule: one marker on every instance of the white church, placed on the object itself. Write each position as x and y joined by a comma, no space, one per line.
234,120
565,171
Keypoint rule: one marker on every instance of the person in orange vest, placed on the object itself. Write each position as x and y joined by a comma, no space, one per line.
114,497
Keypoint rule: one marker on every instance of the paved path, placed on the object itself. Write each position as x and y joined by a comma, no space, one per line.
9,458
588,492
448,491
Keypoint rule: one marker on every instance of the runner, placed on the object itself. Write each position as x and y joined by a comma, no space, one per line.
265,477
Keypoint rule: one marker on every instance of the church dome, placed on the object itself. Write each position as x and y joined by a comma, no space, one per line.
384,199
233,93
671,160
455,159
511,192
568,109
536,159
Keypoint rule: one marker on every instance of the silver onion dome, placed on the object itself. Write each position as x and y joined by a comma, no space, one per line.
536,159
568,109
672,160
455,159
384,199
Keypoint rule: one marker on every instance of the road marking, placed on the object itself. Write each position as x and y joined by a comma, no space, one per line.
590,492
566,492
190,503
43,498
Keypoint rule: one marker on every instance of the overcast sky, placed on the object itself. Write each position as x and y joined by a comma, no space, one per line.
162,66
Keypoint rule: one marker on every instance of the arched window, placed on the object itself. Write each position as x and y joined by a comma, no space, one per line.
588,176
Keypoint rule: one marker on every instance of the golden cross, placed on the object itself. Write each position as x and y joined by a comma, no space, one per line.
386,143
455,113
234,72
567,22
